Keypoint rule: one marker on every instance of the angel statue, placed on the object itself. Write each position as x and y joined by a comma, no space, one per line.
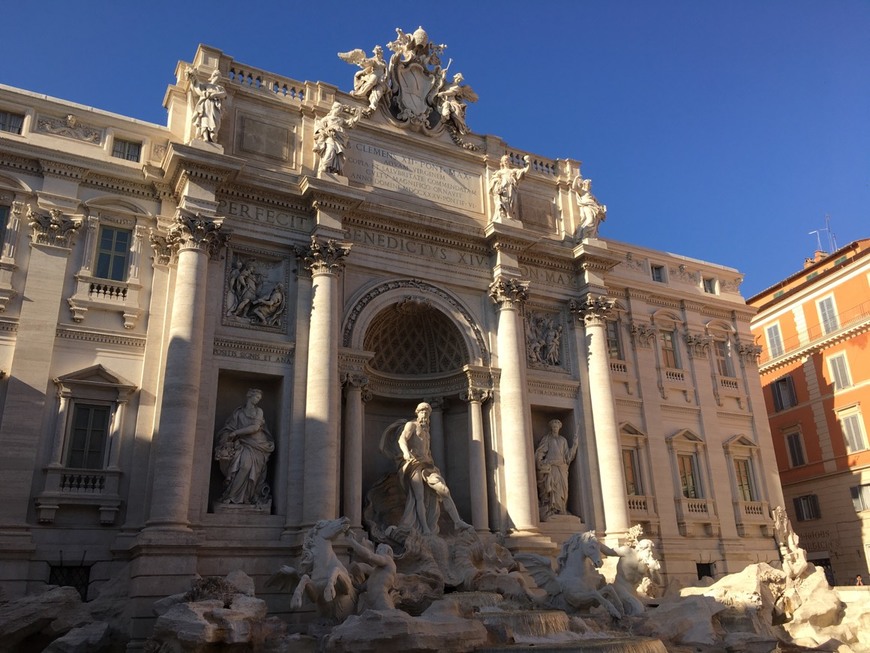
330,138
453,99
590,212
371,80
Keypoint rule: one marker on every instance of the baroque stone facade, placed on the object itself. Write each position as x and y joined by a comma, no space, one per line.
150,276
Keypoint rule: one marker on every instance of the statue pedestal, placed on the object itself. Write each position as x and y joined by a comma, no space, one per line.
242,508
560,527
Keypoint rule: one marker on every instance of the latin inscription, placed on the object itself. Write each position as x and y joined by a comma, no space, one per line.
383,168
424,250
264,214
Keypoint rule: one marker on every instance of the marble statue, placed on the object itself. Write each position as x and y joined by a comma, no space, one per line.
244,445
552,459
207,105
370,82
575,585
637,563
243,286
330,136
321,576
377,571
794,558
425,487
590,212
453,99
503,186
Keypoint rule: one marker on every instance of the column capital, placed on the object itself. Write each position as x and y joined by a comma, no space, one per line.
642,334
355,380
749,352
326,257
52,227
509,292
478,395
592,309
164,251
198,232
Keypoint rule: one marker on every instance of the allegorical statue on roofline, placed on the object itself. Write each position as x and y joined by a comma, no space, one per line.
412,88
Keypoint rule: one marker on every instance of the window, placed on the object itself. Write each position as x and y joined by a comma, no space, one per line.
807,507
710,285
774,341
852,423
688,471
722,353
658,273
112,253
128,150
669,349
783,393
11,122
88,434
76,576
633,486
861,497
839,371
745,483
795,445
614,343
828,315
4,219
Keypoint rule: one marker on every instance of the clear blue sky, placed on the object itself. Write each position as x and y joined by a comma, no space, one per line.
724,131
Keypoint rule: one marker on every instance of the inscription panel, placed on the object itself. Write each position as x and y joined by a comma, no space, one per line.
268,140
397,171
266,214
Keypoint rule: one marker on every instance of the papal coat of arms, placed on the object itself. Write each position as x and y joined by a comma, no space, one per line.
412,88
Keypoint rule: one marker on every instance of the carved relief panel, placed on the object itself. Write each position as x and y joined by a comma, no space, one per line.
544,339
255,290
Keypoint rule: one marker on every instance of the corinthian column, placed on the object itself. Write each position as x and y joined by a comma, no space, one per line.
196,239
593,311
320,500
522,506
355,388
477,458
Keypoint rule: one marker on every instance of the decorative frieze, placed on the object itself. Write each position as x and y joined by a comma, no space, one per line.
69,126
254,351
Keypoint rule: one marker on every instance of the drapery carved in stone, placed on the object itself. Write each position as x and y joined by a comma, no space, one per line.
197,232
592,309
254,292
509,293
52,227
326,257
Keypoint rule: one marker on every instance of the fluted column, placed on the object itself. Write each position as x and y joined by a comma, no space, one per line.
477,458
522,506
326,261
593,311
354,419
196,239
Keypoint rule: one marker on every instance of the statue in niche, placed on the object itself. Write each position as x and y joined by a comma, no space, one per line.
552,459
243,448
370,81
590,212
207,105
453,99
543,341
425,487
330,137
503,186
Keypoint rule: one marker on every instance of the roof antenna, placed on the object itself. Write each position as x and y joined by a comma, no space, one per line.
818,240
832,239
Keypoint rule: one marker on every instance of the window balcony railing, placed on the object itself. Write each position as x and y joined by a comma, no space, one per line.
618,367
641,506
751,513
80,487
675,376
693,512
106,295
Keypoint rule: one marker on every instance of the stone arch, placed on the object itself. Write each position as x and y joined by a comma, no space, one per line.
14,185
117,203
370,304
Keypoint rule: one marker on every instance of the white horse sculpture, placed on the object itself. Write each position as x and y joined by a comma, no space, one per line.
321,575
575,584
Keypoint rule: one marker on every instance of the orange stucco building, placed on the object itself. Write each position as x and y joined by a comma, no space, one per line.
814,329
